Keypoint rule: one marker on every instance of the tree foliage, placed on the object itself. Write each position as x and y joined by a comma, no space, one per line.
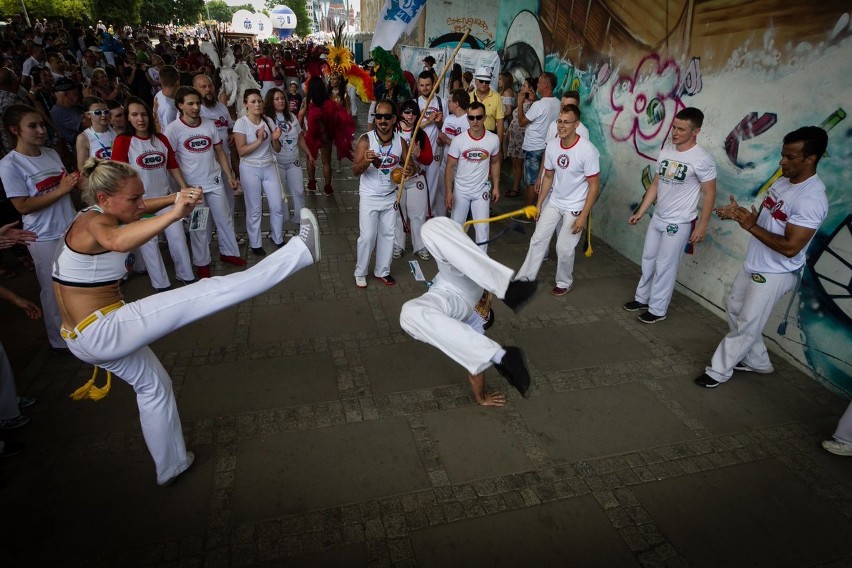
117,13
73,9
303,20
218,10
188,11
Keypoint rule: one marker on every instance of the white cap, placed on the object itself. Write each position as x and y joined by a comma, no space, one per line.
483,73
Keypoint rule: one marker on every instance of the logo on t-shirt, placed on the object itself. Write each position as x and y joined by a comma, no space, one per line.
774,208
151,160
198,143
562,161
452,130
475,155
50,181
103,154
221,122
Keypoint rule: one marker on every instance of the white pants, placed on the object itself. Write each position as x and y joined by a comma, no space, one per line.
294,180
43,253
844,427
748,307
376,222
566,246
256,180
438,316
415,204
215,198
118,342
178,249
478,205
434,180
229,193
264,88
8,391
664,245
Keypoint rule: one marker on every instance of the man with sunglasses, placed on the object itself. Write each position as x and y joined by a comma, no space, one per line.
473,158
377,154
491,99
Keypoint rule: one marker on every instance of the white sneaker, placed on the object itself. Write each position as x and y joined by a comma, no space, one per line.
424,254
397,252
361,281
309,233
838,448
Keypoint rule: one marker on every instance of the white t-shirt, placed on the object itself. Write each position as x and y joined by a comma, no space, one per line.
28,176
166,110
455,125
376,182
289,138
262,154
581,130
802,204
194,148
679,185
152,158
28,66
432,129
220,116
100,143
540,114
571,169
474,161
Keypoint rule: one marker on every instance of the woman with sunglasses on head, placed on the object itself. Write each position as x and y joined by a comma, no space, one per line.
415,196
102,330
151,156
276,108
38,186
96,141
258,139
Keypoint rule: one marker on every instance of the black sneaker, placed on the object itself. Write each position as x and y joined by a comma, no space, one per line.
648,317
258,251
519,293
513,367
706,381
635,306
388,280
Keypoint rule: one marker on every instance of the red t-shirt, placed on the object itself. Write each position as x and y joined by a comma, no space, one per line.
264,68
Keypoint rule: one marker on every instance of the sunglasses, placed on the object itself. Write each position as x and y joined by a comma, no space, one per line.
99,112
408,111
482,81
474,117
384,116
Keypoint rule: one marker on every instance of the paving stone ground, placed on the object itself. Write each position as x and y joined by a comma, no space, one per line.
325,436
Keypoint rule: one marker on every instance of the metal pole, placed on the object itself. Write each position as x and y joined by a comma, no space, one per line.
26,14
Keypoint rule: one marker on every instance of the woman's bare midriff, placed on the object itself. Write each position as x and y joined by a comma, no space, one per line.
76,303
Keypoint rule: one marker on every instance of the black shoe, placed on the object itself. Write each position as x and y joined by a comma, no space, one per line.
277,245
258,251
513,367
490,321
166,289
634,306
648,317
519,293
188,282
11,448
706,381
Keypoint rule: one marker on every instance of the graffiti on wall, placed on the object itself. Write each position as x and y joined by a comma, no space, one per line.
753,88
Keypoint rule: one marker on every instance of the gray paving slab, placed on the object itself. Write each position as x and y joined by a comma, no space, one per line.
682,332
236,387
344,557
216,331
304,471
591,423
476,443
601,292
305,281
574,532
409,366
306,320
579,346
755,514
746,402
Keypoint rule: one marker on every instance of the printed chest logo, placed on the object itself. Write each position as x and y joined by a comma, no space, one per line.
775,206
475,155
151,160
221,122
388,163
50,181
198,143
672,170
452,130
103,154
562,161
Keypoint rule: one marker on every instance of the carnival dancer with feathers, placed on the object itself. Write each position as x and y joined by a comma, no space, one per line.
327,123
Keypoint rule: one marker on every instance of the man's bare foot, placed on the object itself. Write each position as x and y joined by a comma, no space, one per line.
477,383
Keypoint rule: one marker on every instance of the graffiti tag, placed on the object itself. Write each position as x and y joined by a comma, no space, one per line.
750,126
460,25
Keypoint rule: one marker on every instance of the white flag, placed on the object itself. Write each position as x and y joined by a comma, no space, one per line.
397,16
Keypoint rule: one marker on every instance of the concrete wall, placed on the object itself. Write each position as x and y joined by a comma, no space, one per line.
758,69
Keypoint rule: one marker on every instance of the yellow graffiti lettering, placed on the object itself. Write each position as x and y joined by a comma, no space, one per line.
459,25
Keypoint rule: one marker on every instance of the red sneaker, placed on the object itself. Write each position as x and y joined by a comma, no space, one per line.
204,271
312,185
235,260
328,189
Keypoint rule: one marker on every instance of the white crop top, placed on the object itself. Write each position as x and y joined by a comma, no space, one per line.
73,268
